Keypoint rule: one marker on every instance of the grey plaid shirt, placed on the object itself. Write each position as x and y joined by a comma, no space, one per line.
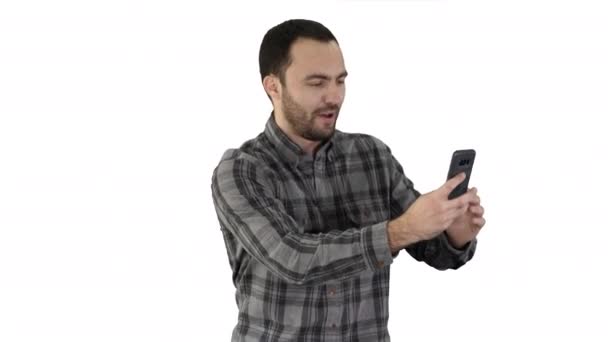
306,237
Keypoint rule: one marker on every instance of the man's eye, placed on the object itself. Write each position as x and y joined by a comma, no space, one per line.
317,84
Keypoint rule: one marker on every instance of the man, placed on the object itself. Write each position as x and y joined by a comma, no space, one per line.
312,217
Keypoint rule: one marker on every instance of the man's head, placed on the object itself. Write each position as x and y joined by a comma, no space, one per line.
303,73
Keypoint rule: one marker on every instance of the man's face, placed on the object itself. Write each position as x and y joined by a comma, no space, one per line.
314,88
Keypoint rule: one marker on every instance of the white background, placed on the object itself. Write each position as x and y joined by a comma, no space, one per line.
113,115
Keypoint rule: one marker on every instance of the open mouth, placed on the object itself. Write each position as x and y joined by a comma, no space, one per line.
327,115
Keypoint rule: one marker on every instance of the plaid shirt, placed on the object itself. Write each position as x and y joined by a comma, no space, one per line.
306,237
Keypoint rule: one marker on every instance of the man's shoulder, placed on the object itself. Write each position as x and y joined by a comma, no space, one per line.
360,141
251,151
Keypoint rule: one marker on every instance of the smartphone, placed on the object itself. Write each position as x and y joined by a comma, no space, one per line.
462,161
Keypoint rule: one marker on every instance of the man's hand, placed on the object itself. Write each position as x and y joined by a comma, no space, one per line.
466,227
431,214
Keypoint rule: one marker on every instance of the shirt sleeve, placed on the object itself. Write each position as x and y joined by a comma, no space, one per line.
436,252
248,209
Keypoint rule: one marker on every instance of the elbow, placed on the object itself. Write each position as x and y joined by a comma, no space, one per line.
292,278
292,270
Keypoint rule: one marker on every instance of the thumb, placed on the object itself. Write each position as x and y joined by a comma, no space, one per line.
453,182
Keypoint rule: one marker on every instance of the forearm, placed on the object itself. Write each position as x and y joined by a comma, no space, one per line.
315,258
248,209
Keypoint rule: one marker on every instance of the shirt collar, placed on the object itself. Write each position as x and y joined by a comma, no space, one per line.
288,149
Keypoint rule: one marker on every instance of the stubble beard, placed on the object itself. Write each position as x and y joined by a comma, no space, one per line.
303,123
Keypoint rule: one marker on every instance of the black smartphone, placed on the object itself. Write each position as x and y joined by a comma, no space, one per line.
462,161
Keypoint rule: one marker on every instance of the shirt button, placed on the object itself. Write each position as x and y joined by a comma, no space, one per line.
366,212
380,264
333,326
332,292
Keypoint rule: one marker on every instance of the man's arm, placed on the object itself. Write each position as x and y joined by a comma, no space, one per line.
436,251
248,209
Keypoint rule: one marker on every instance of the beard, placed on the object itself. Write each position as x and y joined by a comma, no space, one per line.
303,123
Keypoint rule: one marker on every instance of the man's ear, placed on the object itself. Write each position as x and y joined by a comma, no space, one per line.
272,86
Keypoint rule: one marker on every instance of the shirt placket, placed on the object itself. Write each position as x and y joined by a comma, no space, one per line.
334,311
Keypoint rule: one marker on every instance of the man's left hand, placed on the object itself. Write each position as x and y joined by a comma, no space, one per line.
466,227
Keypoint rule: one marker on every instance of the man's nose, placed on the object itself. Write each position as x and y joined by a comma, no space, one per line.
334,95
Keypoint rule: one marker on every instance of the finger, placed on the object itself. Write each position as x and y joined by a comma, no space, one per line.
452,183
476,210
454,213
479,222
475,191
474,200
465,200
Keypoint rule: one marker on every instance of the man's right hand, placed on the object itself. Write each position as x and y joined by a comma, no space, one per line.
429,215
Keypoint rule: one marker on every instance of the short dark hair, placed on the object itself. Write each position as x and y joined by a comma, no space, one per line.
274,51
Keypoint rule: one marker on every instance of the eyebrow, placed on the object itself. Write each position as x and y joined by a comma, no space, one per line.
324,76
